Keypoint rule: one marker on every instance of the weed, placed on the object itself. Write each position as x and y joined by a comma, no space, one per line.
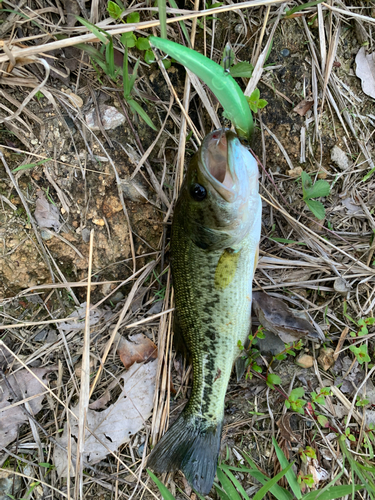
318,189
255,102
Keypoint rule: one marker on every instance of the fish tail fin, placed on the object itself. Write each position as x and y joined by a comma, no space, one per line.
191,446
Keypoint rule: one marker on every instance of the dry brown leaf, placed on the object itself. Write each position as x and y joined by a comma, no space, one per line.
46,214
25,385
365,70
137,349
115,425
304,106
276,317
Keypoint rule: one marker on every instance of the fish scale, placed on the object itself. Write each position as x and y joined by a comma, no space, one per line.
214,244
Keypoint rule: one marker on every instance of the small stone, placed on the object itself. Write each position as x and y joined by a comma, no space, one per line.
75,223
296,172
325,358
86,235
98,222
285,52
109,115
340,158
62,210
9,484
341,286
305,361
322,174
46,235
34,142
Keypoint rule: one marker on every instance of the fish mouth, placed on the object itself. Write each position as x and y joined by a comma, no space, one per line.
217,166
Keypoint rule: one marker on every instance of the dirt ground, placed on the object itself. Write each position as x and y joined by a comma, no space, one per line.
89,178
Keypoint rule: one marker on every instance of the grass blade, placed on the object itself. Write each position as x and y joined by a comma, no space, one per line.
227,485
267,487
333,493
163,18
142,113
291,477
165,493
234,480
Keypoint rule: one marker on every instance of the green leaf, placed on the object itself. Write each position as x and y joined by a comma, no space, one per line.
273,379
253,107
143,43
165,493
262,103
103,36
149,57
128,39
234,480
333,492
267,487
323,421
227,485
167,63
221,493
320,188
242,70
114,10
276,490
133,17
306,5
162,8
255,96
317,208
142,113
296,393
27,166
291,477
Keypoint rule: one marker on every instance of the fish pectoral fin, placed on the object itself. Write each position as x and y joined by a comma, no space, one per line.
226,268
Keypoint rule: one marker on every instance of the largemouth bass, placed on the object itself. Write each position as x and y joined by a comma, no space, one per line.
215,237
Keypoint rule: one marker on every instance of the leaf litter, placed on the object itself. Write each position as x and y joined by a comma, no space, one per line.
109,429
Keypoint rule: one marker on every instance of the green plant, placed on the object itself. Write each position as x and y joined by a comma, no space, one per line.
318,189
294,400
255,102
360,353
27,166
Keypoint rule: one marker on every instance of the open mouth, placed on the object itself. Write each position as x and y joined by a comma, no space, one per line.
216,159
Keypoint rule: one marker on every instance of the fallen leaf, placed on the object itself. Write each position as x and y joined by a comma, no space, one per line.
111,428
46,214
326,358
137,349
304,106
365,70
25,385
276,317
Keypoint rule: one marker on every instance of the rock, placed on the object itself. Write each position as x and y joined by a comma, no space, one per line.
341,286
296,172
305,361
325,358
98,222
340,158
9,484
109,115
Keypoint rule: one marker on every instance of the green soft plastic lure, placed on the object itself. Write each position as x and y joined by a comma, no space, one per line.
222,84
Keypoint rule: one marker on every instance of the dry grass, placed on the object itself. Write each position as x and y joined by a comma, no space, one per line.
124,267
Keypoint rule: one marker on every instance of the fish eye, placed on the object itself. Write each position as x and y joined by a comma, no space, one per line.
198,192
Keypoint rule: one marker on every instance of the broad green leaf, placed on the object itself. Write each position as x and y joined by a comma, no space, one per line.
114,10
267,487
317,208
165,493
149,57
128,39
333,492
133,17
142,113
319,189
291,477
255,95
262,103
242,70
298,392
167,63
234,480
272,379
227,485
143,43
221,493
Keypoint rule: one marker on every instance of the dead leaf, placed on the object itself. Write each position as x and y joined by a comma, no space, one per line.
137,349
326,358
115,425
46,214
25,385
365,70
276,317
304,106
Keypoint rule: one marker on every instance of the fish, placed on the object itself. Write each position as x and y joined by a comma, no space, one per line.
214,252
